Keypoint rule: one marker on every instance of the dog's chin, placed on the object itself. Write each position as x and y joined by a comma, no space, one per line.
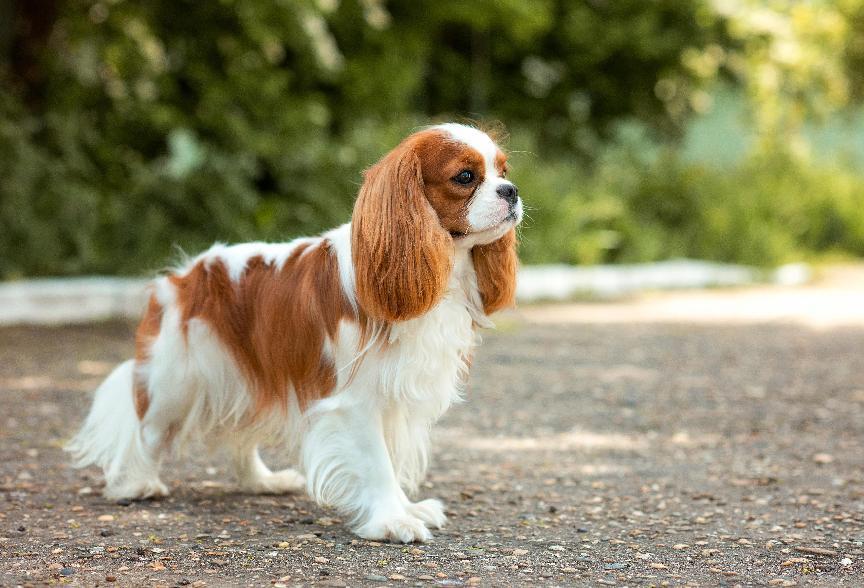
475,237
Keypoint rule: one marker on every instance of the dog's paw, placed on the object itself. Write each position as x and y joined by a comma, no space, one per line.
136,490
429,511
280,482
398,529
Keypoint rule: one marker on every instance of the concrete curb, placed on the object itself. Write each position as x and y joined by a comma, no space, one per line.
564,282
71,300
90,299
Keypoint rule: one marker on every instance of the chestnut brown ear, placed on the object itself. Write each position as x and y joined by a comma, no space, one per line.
495,265
401,254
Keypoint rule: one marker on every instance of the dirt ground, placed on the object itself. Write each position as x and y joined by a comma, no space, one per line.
589,452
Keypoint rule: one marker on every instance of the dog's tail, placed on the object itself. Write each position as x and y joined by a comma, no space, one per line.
111,435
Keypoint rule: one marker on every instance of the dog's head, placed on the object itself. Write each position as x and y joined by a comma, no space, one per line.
442,188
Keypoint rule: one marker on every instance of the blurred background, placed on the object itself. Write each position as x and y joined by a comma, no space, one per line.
727,130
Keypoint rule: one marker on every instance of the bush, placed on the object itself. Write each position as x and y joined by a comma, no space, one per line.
645,202
127,128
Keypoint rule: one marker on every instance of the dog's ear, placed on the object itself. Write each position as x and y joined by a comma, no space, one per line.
495,265
401,254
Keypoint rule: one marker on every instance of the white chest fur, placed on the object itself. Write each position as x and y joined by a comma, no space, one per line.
407,382
426,357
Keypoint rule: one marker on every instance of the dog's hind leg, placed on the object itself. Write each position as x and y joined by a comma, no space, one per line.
115,439
254,476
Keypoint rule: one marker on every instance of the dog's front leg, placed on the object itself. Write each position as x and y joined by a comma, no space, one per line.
347,466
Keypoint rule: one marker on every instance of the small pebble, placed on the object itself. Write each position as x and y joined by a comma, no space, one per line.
376,578
67,571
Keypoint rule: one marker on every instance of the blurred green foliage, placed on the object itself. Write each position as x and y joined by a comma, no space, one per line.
642,201
128,129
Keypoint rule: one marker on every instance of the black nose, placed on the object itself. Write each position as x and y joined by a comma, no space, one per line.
508,192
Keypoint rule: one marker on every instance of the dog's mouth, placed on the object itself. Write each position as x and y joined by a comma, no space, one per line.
511,219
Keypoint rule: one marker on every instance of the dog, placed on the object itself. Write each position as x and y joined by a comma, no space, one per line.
343,349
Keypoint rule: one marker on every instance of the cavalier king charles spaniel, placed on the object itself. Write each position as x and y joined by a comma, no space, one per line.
342,348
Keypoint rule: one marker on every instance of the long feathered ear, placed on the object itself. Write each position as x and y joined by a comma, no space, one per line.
495,265
401,254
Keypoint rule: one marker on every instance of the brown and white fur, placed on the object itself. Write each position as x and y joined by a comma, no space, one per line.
344,349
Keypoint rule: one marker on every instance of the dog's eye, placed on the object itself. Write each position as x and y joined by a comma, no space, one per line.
464,177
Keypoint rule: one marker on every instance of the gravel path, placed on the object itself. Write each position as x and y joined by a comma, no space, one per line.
586,454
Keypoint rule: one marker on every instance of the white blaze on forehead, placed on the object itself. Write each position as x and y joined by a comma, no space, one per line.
474,138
